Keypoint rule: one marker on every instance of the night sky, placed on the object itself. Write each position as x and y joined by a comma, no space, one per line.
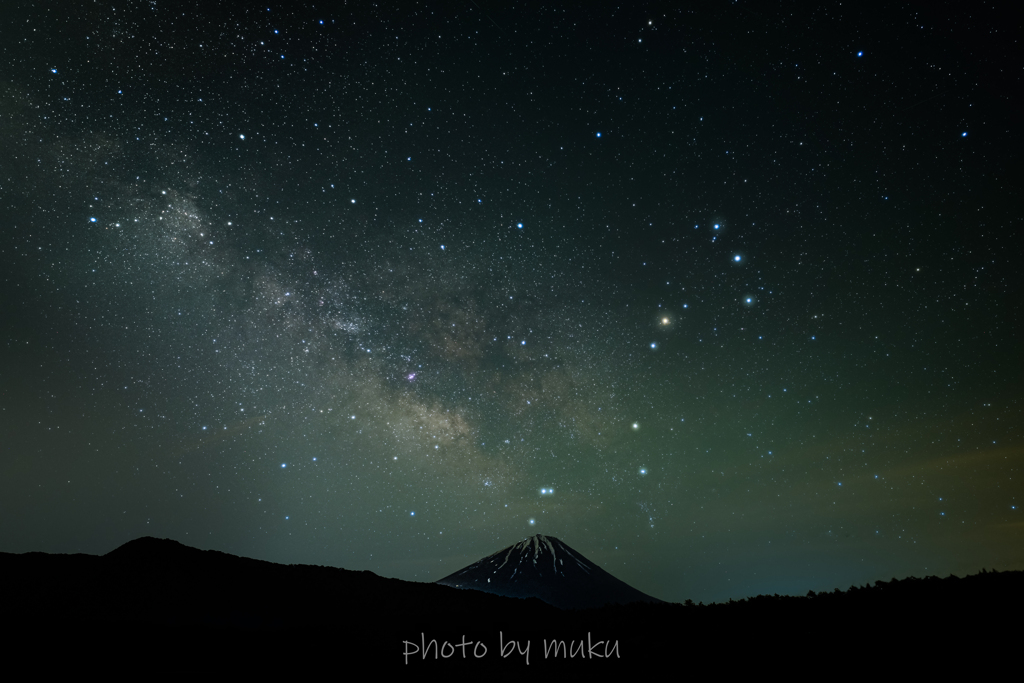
724,296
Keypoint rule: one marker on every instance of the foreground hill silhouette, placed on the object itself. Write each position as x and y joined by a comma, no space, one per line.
161,605
543,567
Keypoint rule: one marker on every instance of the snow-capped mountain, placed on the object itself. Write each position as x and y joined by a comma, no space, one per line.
543,567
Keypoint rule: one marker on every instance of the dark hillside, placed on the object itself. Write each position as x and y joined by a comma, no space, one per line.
165,606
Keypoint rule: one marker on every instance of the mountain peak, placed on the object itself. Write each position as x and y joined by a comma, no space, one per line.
546,568
148,546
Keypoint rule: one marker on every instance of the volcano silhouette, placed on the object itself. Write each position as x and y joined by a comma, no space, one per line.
543,567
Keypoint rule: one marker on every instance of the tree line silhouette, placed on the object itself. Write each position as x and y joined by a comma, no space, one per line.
159,601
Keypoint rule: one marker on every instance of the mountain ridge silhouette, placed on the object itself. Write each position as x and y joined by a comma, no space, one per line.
156,602
521,571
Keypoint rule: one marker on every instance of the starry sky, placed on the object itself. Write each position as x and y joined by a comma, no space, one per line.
725,296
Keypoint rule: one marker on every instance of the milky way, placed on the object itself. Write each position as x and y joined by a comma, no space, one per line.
727,305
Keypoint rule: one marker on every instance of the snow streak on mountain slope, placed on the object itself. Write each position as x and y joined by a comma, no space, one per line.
543,567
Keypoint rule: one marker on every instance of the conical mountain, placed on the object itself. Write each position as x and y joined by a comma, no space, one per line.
543,567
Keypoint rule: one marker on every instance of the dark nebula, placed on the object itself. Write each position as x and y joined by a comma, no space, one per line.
726,297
